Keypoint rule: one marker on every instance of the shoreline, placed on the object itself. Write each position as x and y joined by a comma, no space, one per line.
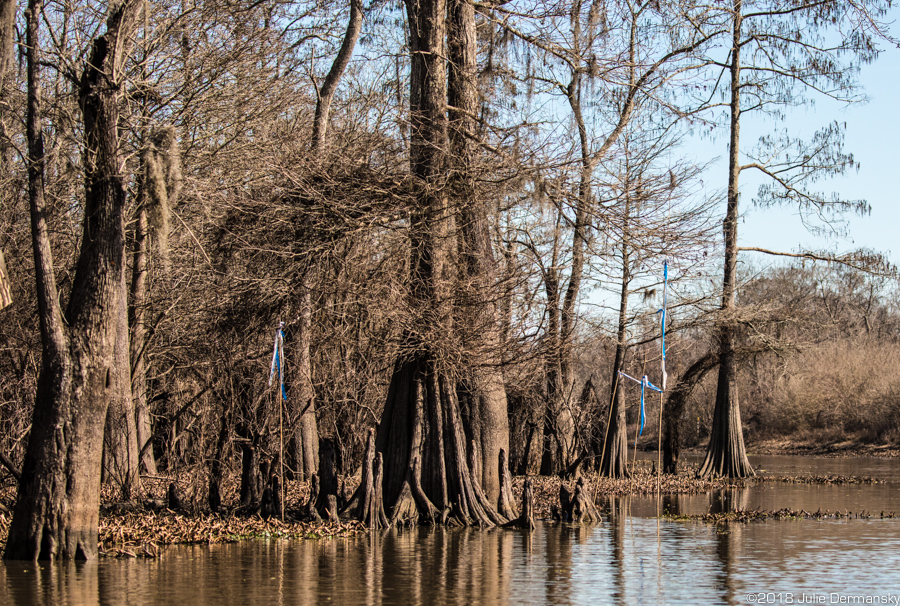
802,448
840,449
138,531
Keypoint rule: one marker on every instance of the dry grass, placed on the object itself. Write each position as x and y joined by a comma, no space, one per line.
839,391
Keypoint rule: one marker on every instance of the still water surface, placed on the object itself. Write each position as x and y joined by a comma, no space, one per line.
632,558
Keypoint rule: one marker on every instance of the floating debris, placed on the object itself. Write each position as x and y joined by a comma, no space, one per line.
826,479
146,534
144,527
744,515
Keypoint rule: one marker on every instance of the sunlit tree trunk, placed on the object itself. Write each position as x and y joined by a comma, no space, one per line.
7,54
421,437
57,507
305,442
325,94
121,463
726,454
478,317
615,446
138,343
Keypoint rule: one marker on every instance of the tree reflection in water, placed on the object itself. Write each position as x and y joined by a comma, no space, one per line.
627,559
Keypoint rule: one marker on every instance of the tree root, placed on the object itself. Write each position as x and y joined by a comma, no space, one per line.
578,507
506,502
526,520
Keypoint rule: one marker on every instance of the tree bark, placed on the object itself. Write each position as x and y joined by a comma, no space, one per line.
552,453
583,509
563,412
506,502
479,319
250,481
328,480
423,444
325,94
726,454
306,438
674,409
138,342
526,518
367,504
7,55
421,438
615,446
57,507
121,462
7,42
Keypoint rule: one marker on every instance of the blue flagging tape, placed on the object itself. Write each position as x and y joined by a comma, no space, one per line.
629,377
662,320
277,355
641,432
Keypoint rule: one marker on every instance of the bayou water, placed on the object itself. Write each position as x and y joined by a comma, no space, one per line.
634,557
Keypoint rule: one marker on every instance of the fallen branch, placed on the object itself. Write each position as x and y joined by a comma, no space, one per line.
10,467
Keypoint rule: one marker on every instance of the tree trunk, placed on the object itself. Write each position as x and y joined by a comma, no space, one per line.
249,495
159,189
367,504
526,518
726,454
57,507
7,41
506,502
139,301
423,444
216,469
674,409
564,413
552,455
534,441
306,438
580,508
615,446
7,56
421,437
614,462
121,463
328,480
325,95
478,316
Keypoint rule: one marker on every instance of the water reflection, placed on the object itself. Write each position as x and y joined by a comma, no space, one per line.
618,517
728,552
51,585
626,560
727,500
632,557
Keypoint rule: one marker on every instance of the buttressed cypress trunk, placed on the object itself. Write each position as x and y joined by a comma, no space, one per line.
478,316
615,446
421,437
726,454
57,508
